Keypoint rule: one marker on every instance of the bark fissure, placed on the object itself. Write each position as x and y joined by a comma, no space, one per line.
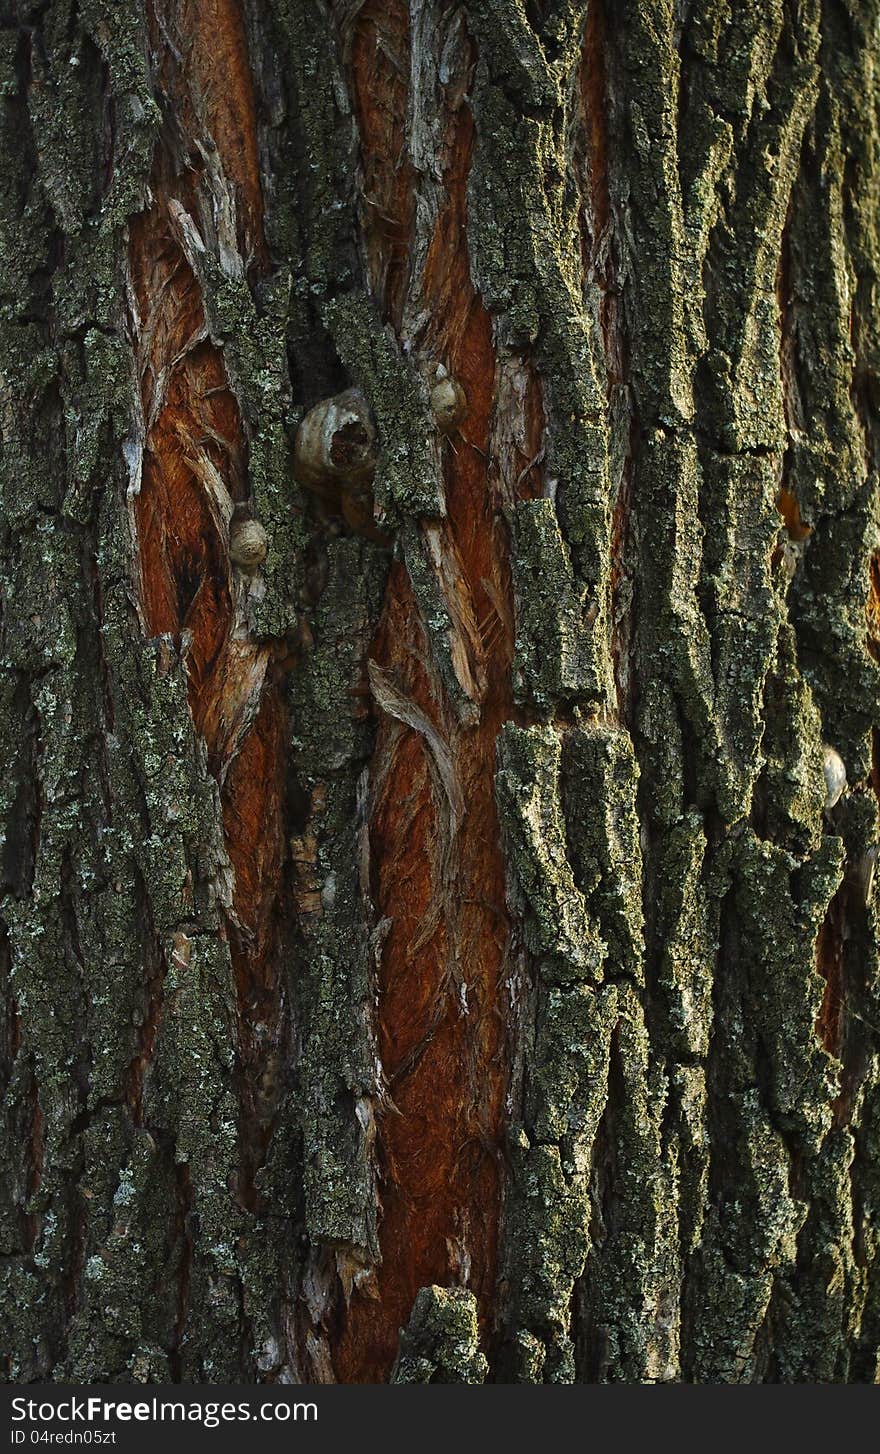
438,874
194,496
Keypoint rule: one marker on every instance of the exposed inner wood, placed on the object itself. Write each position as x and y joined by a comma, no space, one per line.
194,472
378,49
872,608
438,869
205,69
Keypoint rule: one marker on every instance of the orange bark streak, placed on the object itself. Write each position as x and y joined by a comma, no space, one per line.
211,82
441,1017
195,435
379,71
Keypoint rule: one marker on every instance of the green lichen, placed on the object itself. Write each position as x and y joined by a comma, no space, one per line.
440,1343
407,481
558,929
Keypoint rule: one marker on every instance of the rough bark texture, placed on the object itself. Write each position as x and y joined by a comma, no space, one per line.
444,925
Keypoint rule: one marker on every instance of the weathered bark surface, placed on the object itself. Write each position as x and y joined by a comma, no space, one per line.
440,926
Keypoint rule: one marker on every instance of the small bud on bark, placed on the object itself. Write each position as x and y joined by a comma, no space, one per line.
449,403
248,544
835,776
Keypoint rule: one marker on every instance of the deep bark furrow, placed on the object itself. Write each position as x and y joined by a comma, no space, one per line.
438,874
193,508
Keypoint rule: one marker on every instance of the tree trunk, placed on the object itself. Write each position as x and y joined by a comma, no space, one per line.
443,912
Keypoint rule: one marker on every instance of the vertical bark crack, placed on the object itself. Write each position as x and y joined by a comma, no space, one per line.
194,499
438,874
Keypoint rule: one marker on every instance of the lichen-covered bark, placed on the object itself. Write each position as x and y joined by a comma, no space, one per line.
429,948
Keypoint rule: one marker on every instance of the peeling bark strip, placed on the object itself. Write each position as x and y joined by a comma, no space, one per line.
436,862
439,931
193,501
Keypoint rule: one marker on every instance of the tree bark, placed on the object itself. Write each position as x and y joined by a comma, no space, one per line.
437,939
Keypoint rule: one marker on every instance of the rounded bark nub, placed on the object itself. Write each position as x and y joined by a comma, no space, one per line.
335,446
835,776
448,402
248,544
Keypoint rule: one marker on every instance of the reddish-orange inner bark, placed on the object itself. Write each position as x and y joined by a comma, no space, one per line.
379,67
594,104
210,81
184,569
873,608
790,510
441,1021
